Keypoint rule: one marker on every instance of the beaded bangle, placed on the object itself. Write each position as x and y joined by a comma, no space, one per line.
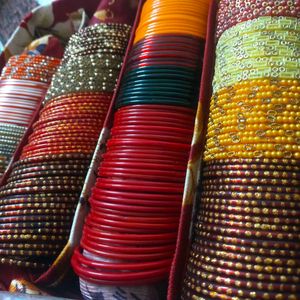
266,23
233,12
261,58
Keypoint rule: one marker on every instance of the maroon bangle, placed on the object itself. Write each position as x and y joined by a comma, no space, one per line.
232,12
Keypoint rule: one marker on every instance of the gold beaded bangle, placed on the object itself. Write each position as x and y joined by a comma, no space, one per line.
215,129
256,154
278,136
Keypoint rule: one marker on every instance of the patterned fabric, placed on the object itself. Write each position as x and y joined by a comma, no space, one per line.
25,287
59,19
11,14
116,11
47,45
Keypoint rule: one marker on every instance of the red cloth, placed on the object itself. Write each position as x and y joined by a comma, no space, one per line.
121,11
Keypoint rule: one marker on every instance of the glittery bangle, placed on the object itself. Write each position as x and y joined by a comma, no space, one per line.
229,15
246,242
259,211
40,198
92,60
23,263
33,246
265,23
252,195
233,279
250,225
238,288
229,71
246,250
28,253
211,198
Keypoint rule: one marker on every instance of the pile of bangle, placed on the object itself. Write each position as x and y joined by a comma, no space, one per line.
246,235
130,233
92,60
24,82
41,193
255,118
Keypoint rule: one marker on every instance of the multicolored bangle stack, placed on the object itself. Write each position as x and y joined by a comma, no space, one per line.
130,233
24,82
41,193
246,235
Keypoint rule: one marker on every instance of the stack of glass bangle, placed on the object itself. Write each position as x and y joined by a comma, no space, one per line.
24,82
130,234
247,233
41,193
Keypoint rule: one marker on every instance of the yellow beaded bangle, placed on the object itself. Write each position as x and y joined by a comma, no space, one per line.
258,112
251,145
234,139
253,106
215,129
235,119
286,136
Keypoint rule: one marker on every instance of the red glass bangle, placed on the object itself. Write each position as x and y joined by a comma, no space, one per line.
145,237
138,209
149,220
128,250
95,264
110,237
121,279
137,195
134,224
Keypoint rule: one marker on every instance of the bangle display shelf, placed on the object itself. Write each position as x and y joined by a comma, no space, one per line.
189,201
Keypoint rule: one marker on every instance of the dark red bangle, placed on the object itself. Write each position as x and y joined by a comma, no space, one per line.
241,249
134,225
96,236
143,166
98,193
123,200
161,237
134,210
247,218
135,219
252,234
248,242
